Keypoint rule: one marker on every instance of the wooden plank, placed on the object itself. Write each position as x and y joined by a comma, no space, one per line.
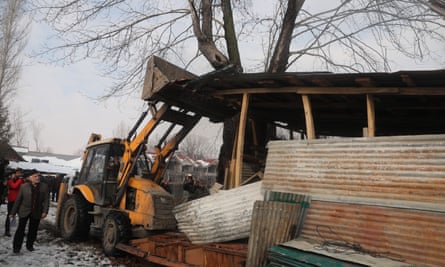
371,115
310,129
321,82
240,141
230,181
365,82
336,91
408,80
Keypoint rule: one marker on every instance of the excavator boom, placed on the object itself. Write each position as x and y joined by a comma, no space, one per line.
135,144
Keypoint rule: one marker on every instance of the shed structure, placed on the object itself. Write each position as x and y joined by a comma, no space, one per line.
381,187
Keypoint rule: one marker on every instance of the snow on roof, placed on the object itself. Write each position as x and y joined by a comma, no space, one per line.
49,164
43,167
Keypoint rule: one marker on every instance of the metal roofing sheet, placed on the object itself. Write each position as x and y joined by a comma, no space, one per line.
415,237
404,171
383,195
272,223
224,216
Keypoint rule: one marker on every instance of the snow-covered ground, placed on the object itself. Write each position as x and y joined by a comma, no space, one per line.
52,251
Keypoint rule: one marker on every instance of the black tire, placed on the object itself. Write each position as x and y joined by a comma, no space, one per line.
75,221
116,229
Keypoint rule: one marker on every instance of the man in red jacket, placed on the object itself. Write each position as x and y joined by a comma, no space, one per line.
13,185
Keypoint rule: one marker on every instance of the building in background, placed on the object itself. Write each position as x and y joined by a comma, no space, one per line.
46,163
179,166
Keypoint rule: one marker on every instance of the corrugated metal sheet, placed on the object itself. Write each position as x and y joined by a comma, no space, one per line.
416,237
407,171
224,216
272,223
303,200
384,194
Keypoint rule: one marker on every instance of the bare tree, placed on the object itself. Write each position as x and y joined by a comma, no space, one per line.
18,127
5,126
349,35
197,147
337,35
12,42
438,6
121,130
36,129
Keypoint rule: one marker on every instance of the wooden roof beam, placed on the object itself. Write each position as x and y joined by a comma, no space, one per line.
306,90
321,82
365,82
408,80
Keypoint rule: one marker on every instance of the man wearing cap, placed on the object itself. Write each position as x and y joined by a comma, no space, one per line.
32,204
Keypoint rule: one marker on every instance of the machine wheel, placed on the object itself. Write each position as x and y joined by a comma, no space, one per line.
116,229
75,221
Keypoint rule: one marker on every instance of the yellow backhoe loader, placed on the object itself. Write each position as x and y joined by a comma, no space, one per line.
116,194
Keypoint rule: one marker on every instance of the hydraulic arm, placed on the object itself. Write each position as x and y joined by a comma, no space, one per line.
135,143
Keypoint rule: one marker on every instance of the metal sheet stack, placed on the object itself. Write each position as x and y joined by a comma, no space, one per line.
384,195
221,217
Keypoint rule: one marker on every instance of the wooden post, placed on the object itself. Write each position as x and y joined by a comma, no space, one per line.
371,115
240,139
254,138
310,129
231,176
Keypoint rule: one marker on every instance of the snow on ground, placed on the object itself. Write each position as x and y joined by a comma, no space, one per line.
52,251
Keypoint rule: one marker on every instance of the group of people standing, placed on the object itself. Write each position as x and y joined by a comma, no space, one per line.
29,198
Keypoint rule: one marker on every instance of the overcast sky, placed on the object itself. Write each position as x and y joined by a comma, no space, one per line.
60,100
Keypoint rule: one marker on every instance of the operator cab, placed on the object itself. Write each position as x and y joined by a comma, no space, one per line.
100,169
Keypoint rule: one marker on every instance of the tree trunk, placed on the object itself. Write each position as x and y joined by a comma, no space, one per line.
204,34
263,131
230,35
280,57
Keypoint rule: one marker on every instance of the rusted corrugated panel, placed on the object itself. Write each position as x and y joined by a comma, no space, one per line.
224,216
415,237
403,171
384,194
303,200
272,223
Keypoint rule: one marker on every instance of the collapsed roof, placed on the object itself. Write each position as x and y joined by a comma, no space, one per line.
405,102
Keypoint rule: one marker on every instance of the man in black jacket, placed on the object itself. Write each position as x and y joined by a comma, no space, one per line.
32,204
